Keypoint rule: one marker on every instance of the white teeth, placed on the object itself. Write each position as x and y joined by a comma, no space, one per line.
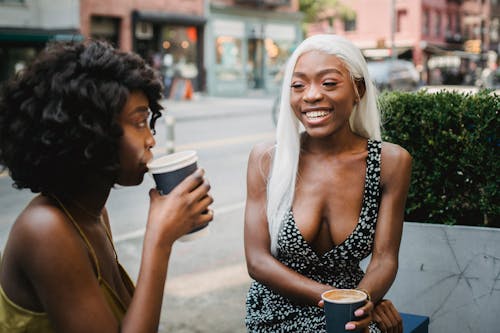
316,114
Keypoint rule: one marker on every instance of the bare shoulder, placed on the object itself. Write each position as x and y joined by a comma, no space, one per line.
259,163
395,161
261,156
393,152
263,150
42,234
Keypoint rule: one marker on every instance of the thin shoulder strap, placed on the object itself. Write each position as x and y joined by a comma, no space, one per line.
84,237
108,233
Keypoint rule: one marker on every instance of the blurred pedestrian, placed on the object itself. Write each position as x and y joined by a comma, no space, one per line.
325,196
74,124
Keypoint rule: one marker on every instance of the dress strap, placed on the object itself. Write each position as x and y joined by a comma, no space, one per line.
374,160
84,237
108,234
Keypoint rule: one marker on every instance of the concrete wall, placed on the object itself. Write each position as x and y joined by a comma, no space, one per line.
41,14
452,275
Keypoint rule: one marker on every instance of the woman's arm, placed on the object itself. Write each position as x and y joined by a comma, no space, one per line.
56,263
261,264
170,217
383,266
395,181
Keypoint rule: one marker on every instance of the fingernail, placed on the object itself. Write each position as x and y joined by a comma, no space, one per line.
358,313
350,326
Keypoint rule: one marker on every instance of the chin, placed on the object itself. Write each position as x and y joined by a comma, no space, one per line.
131,181
319,132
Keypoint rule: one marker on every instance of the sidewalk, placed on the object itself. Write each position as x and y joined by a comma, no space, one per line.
202,106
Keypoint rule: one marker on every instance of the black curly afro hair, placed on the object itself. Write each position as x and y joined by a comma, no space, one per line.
58,118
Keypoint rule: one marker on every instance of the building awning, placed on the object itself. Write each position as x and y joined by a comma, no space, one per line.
384,52
170,18
38,35
436,49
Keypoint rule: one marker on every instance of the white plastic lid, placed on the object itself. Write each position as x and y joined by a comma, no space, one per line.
173,161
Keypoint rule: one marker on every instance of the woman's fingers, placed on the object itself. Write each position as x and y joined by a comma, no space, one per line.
363,315
356,325
191,182
387,317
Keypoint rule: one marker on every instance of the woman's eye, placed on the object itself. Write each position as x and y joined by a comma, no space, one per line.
142,123
330,84
297,85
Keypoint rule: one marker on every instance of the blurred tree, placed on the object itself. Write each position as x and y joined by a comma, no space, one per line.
318,10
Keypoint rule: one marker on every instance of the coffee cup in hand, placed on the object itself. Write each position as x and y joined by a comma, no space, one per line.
339,307
168,171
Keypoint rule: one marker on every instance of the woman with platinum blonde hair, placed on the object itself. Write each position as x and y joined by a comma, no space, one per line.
327,194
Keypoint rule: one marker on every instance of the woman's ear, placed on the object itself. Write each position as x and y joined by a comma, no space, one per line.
360,86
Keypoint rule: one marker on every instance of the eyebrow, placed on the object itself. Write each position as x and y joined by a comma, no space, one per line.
321,72
141,109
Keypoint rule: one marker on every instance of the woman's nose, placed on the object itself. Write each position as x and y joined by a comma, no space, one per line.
150,140
312,94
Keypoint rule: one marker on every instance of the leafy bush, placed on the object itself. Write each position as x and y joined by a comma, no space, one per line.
454,141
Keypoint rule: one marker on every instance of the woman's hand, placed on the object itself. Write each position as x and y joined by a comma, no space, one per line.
387,317
364,313
182,210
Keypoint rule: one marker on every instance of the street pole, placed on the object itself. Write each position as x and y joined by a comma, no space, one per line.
170,143
393,29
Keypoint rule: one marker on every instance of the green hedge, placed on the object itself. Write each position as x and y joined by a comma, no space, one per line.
454,140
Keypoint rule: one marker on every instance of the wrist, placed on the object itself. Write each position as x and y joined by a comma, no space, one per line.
153,241
368,296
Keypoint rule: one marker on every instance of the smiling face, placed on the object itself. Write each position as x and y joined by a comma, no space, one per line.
137,139
322,94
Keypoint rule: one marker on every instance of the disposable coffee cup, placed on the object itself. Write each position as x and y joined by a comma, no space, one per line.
339,307
168,171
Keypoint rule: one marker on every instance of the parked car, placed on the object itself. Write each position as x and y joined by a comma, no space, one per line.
394,75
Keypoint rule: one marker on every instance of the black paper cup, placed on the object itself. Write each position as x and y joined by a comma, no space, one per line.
168,171
339,306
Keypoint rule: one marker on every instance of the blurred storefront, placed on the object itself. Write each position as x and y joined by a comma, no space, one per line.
19,47
248,45
26,26
167,34
173,44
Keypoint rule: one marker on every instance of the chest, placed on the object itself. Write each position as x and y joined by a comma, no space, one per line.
328,199
106,264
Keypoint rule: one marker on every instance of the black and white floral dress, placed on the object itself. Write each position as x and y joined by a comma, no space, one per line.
267,311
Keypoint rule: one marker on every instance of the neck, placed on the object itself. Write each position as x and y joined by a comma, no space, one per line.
338,143
88,199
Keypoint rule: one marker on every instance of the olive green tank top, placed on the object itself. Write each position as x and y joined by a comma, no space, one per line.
15,319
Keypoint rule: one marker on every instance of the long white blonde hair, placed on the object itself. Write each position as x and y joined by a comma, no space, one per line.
364,121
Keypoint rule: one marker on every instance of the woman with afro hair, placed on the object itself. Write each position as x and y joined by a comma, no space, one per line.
74,124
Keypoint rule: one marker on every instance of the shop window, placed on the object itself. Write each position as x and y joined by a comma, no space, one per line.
277,52
449,24
458,23
426,23
437,28
350,24
401,16
229,58
179,46
106,28
15,59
